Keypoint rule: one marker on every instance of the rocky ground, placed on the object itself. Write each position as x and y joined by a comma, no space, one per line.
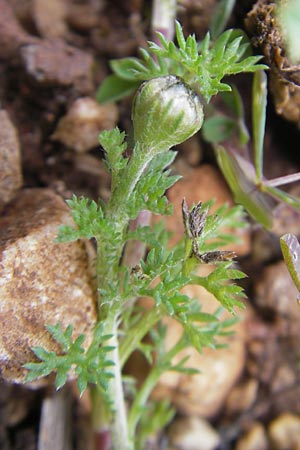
53,56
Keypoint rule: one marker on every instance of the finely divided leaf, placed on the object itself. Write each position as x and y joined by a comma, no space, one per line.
91,366
201,65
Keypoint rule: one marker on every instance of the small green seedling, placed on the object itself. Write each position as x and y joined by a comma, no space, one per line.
167,110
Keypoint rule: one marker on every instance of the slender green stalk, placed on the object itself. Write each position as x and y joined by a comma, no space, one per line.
99,418
259,103
137,333
145,390
112,413
117,206
107,275
188,263
141,398
119,431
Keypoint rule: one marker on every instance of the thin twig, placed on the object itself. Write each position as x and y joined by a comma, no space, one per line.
135,250
55,423
163,18
283,180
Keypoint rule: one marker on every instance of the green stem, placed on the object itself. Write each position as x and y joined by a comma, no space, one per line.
117,213
138,332
128,180
108,261
99,416
188,264
111,411
119,431
140,400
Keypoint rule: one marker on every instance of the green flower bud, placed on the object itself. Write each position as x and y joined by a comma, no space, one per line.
165,113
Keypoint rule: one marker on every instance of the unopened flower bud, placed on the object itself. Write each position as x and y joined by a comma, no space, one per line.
165,113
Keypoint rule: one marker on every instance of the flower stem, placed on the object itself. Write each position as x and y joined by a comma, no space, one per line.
138,332
111,411
141,399
151,381
117,206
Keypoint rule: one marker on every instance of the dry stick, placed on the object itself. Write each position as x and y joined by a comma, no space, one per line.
135,250
283,180
163,18
55,423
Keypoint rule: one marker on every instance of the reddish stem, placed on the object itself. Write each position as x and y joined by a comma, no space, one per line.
102,440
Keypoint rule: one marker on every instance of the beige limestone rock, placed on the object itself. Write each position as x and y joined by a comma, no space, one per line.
284,378
10,160
50,18
276,292
41,282
80,127
242,396
255,439
284,432
193,433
